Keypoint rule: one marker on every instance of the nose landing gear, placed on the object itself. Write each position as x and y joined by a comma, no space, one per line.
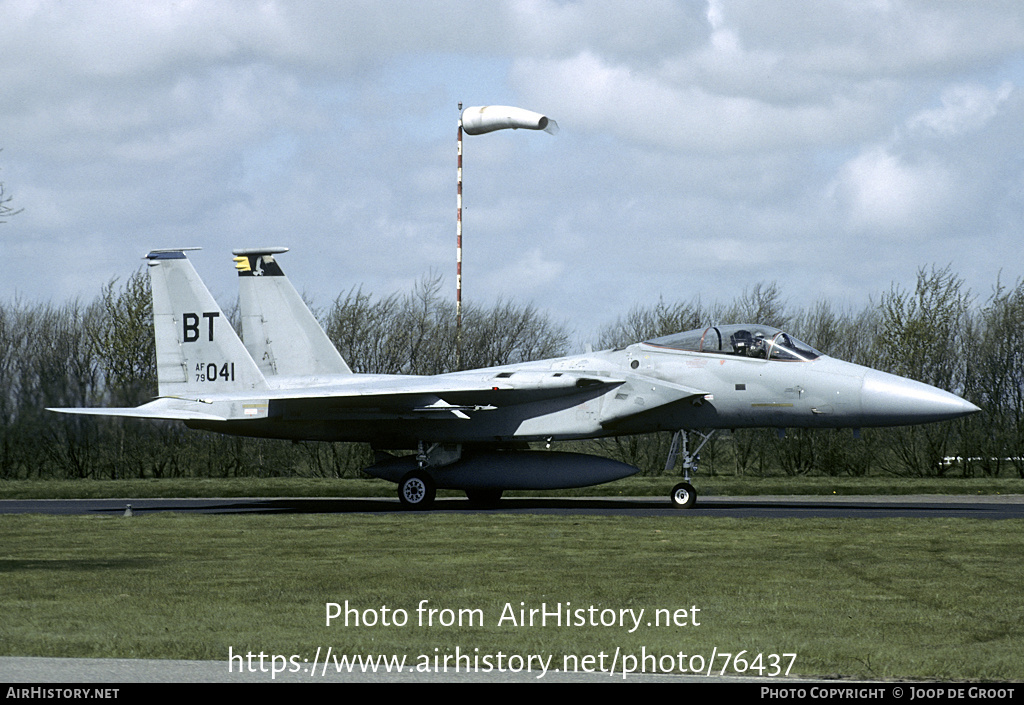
683,495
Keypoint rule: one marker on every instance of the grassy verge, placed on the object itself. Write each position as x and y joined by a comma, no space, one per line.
628,487
884,598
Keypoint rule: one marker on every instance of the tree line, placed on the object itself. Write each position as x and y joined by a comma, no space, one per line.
101,353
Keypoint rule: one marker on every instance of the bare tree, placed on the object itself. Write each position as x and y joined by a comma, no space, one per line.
415,333
123,340
923,335
5,208
997,382
647,322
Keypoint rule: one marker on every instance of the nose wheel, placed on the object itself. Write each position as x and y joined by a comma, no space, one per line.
683,496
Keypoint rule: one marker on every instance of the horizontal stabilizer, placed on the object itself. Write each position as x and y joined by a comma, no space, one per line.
173,409
153,410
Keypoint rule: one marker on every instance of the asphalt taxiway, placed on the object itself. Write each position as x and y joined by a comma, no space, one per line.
852,507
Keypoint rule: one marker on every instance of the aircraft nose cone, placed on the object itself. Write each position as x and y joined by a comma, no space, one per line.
891,400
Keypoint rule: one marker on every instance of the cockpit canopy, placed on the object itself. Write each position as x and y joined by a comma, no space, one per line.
746,340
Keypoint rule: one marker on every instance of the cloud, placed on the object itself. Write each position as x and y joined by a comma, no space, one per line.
523,275
882,192
704,146
637,33
965,108
651,108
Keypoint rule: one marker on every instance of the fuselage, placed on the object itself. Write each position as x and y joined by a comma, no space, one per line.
650,386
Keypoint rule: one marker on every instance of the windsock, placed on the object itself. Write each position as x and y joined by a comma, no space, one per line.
488,118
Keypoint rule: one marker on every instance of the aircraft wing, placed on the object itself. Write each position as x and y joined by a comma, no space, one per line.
512,385
452,395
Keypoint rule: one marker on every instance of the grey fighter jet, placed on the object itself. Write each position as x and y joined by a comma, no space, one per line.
471,429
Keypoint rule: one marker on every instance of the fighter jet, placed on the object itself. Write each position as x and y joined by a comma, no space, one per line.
471,430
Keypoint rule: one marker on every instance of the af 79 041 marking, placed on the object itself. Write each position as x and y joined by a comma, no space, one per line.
210,372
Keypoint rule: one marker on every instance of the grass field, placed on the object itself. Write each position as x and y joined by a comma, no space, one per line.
881,598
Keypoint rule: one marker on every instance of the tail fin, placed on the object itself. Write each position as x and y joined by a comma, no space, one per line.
280,332
197,350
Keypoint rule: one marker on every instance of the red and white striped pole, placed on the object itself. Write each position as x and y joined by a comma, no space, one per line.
458,256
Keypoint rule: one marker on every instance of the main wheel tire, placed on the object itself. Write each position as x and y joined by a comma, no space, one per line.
416,490
683,495
484,497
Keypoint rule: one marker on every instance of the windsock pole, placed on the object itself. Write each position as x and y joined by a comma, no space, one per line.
478,121
458,255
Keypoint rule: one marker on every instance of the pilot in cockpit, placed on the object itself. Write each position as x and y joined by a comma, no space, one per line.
747,345
759,347
741,341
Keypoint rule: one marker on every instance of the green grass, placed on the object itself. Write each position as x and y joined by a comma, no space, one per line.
629,487
880,598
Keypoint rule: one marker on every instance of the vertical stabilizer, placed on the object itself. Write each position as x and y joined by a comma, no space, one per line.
279,330
197,350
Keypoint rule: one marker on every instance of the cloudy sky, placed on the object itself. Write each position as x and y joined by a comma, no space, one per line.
706,145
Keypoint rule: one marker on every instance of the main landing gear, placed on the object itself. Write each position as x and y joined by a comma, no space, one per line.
683,496
416,490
